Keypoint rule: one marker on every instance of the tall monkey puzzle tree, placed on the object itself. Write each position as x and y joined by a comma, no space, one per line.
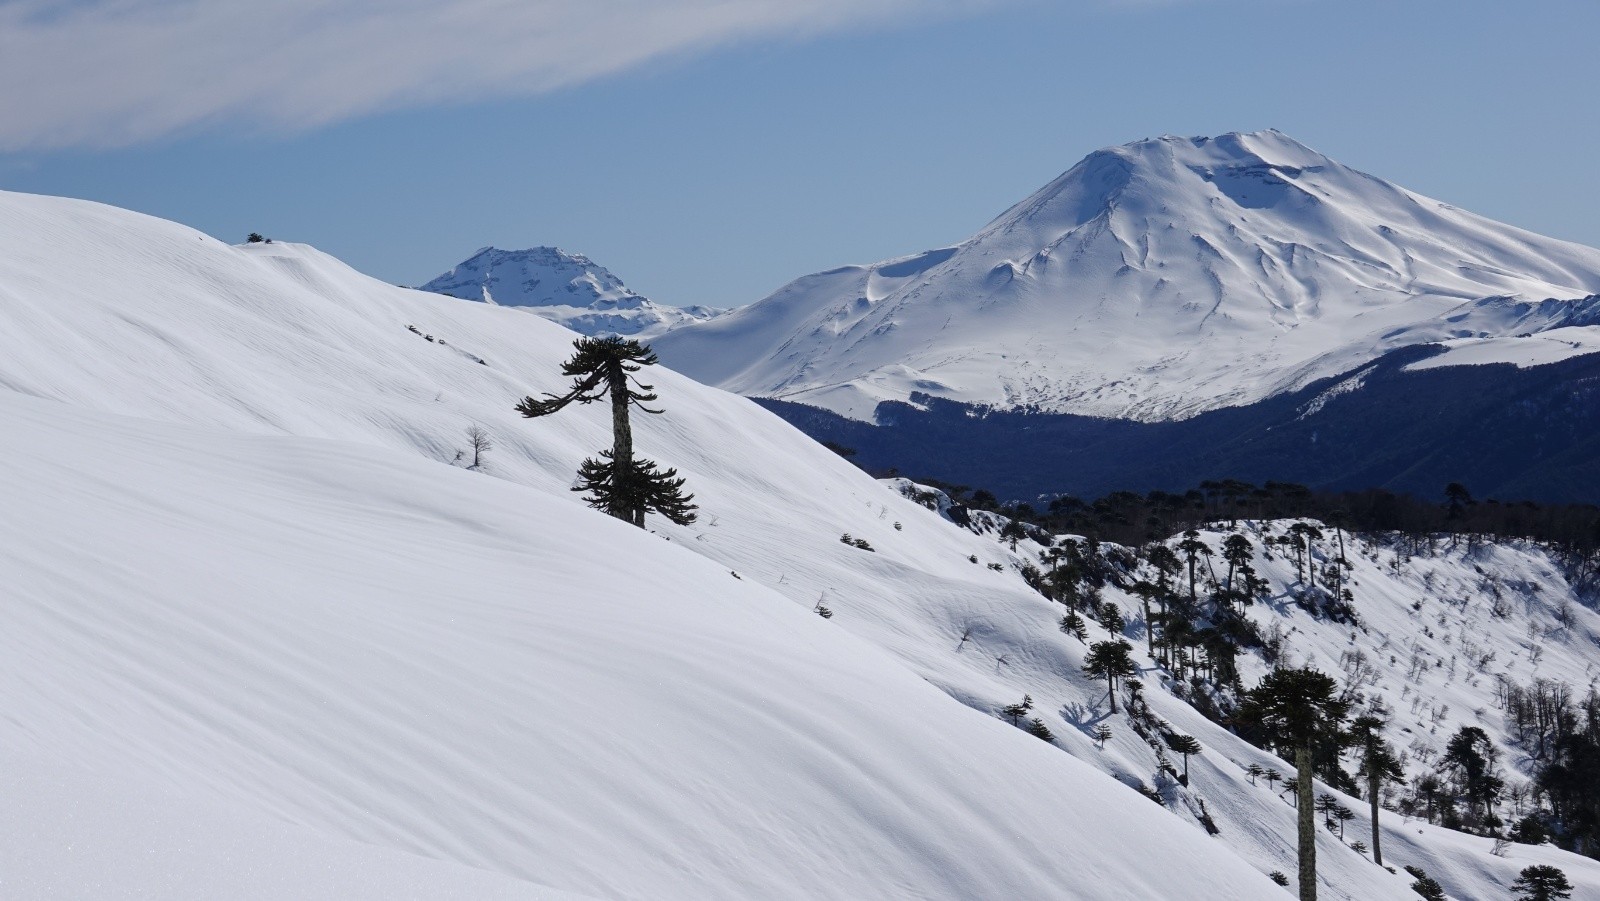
1379,765
622,485
1192,547
1236,550
1296,708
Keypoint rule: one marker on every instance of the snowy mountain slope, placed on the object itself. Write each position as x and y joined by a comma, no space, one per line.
1440,634
110,830
1435,609
1550,346
111,311
563,287
375,647
163,323
1151,281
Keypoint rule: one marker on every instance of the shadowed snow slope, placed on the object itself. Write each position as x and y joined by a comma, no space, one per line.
1152,281
262,590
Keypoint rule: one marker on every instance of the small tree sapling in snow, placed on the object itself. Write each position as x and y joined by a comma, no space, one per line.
1425,885
1018,710
1038,729
1343,815
480,443
1073,625
1102,734
1013,532
1326,805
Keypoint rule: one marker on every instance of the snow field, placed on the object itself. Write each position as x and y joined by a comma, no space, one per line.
377,648
354,638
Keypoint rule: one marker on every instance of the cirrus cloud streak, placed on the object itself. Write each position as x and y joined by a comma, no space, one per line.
106,73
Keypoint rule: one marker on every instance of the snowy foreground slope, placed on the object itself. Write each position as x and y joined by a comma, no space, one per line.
562,287
373,646
1153,281
248,631
298,643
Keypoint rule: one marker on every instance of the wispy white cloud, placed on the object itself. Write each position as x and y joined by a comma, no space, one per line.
117,72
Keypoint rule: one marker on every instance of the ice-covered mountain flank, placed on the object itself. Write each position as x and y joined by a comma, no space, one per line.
1155,281
563,287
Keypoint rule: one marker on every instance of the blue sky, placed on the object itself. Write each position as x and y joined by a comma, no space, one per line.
708,152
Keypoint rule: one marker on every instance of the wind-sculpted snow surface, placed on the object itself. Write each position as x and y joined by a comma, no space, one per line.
344,658
1152,281
379,649
351,648
563,287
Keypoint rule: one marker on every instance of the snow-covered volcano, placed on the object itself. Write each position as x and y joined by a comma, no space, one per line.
1152,281
563,287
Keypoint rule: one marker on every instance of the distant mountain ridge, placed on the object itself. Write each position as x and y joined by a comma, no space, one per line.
563,287
1152,281
1410,422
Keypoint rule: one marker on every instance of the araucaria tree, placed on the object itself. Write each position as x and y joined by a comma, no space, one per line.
1192,547
1471,755
1237,551
1379,765
1296,708
1110,660
1541,883
621,484
1185,745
